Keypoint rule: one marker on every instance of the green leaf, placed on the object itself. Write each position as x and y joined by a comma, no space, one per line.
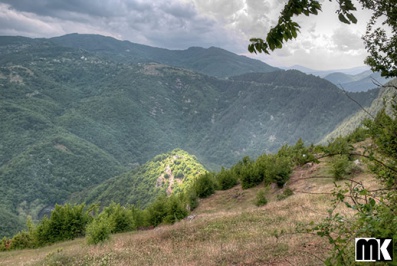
348,204
343,19
352,18
372,202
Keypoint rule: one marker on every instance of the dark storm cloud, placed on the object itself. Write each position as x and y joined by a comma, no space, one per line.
60,8
173,24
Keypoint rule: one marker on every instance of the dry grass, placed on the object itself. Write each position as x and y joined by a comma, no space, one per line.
228,230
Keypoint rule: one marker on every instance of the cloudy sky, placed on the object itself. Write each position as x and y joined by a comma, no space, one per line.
324,43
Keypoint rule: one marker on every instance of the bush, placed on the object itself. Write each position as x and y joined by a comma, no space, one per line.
204,185
226,179
139,216
359,134
98,230
191,199
179,174
339,146
65,223
22,240
286,193
298,154
278,170
249,172
175,209
5,244
340,165
260,198
120,218
157,211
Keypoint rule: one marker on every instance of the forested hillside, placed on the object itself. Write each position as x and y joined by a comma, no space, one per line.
72,118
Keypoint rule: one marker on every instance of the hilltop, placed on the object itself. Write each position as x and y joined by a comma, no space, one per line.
166,173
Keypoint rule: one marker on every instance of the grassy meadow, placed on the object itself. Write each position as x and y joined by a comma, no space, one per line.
227,229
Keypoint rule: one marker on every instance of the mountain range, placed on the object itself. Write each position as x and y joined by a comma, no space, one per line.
78,110
352,79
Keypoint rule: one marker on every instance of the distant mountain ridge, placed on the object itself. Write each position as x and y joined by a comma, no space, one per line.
323,73
72,118
212,61
353,79
360,82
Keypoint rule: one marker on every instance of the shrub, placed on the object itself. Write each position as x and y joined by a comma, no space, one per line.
175,209
204,185
298,154
120,218
65,223
339,146
98,230
278,170
340,165
191,199
179,174
359,134
286,193
226,179
260,198
22,240
5,244
139,216
157,211
249,172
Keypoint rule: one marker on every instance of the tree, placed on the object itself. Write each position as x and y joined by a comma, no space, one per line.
381,46
375,210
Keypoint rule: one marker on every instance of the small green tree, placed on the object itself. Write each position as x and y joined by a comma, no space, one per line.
157,211
204,185
65,223
250,172
226,179
120,218
22,240
278,170
99,230
340,165
176,209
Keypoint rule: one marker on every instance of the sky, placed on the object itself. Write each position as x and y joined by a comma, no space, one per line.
324,42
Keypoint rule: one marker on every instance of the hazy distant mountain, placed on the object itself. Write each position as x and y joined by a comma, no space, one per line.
212,61
323,73
73,117
360,82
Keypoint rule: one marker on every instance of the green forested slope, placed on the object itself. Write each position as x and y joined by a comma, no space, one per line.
71,119
350,123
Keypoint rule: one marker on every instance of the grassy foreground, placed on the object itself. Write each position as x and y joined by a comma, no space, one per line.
228,229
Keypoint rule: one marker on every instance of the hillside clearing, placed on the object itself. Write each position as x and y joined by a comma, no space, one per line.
227,229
